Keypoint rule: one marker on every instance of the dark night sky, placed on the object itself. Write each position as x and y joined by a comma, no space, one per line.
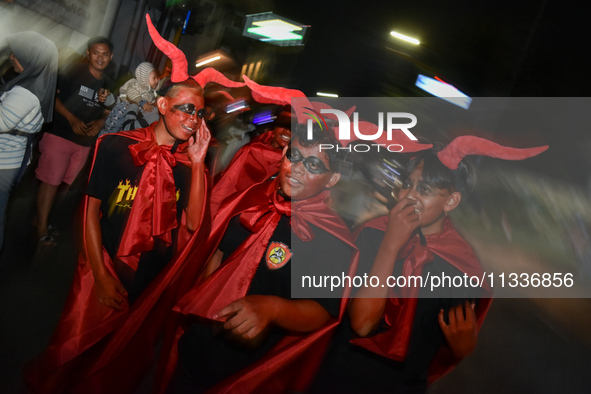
492,48
497,48
500,48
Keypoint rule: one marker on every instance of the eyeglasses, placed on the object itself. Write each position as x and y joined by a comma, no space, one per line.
423,188
190,109
312,164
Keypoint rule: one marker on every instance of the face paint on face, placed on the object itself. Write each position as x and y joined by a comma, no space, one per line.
307,174
312,163
190,109
281,137
181,114
429,202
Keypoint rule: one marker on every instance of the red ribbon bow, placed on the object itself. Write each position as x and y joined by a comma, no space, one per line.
153,214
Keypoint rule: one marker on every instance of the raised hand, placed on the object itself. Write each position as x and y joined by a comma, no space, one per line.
198,144
402,223
462,332
102,95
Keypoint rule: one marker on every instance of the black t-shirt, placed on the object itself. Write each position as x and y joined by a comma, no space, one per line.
78,91
351,369
207,351
114,180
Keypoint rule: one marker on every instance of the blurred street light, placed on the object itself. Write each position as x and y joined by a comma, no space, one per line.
405,38
321,94
206,61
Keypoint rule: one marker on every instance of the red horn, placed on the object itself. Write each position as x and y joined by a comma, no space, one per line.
460,147
280,96
212,75
180,66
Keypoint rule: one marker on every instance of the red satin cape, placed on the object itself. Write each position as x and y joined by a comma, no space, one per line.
84,321
254,163
292,364
400,311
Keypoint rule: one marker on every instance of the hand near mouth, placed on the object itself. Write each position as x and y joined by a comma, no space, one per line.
198,144
404,220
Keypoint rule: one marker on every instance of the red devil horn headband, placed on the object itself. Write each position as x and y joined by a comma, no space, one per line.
460,147
212,75
280,96
177,57
180,66
302,107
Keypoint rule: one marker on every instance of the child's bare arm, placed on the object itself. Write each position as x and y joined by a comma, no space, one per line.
251,315
367,309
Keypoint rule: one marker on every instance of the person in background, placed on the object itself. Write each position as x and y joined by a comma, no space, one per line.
140,91
26,102
80,115
253,163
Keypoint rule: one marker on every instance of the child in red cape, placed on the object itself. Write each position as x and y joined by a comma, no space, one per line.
399,339
132,230
243,331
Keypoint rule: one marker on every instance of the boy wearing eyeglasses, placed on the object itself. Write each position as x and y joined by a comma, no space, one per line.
242,321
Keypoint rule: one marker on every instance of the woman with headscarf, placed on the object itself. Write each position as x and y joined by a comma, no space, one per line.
26,102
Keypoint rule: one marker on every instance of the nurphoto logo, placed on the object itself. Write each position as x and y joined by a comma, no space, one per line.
392,121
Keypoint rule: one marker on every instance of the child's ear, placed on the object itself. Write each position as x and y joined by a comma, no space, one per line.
335,177
452,202
162,104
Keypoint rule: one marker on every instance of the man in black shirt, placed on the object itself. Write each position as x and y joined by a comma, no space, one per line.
80,115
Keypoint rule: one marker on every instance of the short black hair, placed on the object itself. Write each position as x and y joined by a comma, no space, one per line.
189,83
99,40
437,175
170,89
319,136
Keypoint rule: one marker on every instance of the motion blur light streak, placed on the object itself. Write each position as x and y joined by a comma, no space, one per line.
213,59
236,106
263,117
444,91
326,94
405,38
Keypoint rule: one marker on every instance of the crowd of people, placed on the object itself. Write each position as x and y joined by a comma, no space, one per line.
187,281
